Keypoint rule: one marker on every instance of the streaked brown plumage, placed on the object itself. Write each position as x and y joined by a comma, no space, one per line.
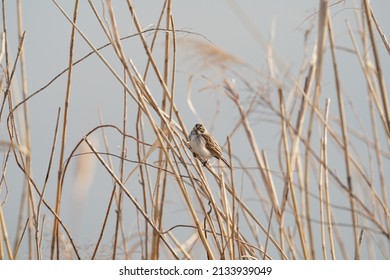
204,145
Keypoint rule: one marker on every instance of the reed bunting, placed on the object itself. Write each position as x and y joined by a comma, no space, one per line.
204,145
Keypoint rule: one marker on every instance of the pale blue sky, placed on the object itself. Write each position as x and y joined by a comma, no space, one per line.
243,32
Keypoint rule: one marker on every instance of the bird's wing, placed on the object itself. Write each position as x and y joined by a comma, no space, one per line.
212,145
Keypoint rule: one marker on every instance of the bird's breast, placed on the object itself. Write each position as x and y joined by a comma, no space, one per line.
198,147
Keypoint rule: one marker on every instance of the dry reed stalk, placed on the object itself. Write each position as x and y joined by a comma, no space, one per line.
244,246
119,224
339,239
305,101
174,62
320,46
140,166
288,179
379,29
345,139
27,199
217,228
56,217
119,195
250,135
155,35
18,242
321,179
373,100
26,137
234,217
253,217
326,180
301,117
262,169
39,206
381,82
2,50
147,49
112,196
379,162
55,237
110,164
160,194
226,242
183,247
94,51
4,236
128,194
145,181
268,233
280,211
100,56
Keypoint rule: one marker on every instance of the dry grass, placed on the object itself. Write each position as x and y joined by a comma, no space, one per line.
319,196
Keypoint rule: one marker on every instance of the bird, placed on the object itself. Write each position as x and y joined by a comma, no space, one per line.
204,145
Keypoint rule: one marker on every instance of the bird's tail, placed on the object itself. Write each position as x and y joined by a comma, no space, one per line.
225,161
